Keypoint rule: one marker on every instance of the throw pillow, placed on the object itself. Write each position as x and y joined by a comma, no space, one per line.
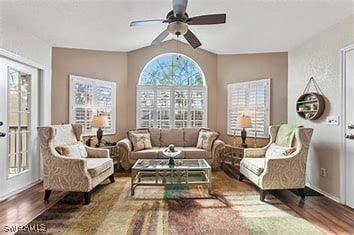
141,141
137,131
75,150
206,139
285,135
275,150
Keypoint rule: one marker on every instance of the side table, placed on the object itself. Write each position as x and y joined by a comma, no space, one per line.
114,154
232,157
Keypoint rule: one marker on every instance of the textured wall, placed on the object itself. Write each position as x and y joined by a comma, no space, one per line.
109,66
320,57
241,68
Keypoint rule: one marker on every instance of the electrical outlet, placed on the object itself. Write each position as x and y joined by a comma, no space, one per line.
323,172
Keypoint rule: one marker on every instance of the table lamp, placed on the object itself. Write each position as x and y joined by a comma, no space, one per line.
99,121
244,122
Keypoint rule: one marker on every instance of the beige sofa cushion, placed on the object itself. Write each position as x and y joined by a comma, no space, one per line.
255,165
74,150
95,166
191,137
196,153
172,136
155,137
146,153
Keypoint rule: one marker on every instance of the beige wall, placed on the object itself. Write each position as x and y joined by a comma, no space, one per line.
109,66
320,57
139,58
125,69
248,67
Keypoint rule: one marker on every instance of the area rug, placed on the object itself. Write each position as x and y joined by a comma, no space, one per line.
233,208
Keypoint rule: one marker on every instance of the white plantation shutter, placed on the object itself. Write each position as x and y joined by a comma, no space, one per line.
171,106
89,97
253,99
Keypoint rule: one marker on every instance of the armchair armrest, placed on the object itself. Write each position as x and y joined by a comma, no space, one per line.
97,152
283,173
58,169
216,151
125,148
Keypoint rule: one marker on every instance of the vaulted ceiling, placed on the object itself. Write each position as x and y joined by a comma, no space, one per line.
251,25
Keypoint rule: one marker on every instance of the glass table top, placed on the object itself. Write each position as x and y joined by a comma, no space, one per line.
162,164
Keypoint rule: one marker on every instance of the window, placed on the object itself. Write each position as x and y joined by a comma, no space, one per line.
89,97
249,98
171,93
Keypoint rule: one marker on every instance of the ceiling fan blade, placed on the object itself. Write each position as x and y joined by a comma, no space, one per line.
192,39
160,38
207,19
146,22
179,7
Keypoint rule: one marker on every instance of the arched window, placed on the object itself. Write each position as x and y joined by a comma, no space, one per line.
172,93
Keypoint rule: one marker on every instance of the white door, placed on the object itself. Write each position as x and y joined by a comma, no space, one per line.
349,126
19,157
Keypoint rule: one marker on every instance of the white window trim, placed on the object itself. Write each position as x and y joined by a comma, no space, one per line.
268,95
172,90
72,78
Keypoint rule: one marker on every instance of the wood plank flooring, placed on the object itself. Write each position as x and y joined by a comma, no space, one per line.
25,206
329,216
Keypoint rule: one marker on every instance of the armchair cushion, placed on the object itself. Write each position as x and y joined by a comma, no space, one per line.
275,150
255,165
74,150
95,166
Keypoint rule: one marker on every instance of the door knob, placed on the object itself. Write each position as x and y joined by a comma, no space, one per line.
349,136
1,123
2,134
350,126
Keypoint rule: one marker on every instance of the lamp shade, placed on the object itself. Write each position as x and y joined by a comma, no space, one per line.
99,121
244,122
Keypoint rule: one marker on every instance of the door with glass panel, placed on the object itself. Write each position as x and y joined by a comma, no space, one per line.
19,157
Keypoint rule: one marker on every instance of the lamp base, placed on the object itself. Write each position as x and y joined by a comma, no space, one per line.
243,137
99,137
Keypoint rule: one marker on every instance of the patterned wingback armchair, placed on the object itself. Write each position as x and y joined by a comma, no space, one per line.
285,172
68,173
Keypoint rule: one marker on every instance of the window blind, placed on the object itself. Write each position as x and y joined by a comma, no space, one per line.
165,107
252,99
90,97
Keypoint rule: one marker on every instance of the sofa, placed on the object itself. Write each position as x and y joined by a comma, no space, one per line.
68,173
285,171
185,139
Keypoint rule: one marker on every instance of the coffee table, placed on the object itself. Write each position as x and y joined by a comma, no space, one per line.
157,172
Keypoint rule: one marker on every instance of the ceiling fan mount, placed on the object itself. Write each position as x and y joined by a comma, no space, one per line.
178,21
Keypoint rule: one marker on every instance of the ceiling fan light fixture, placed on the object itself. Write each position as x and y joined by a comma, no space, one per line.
177,28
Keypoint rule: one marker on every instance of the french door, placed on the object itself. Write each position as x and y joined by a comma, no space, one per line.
19,156
348,72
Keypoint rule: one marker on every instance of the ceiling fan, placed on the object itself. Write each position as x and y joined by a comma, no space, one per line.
178,22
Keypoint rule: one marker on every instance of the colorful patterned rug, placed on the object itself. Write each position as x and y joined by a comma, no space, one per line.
234,208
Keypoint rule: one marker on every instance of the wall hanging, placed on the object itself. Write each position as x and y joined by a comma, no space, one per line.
311,105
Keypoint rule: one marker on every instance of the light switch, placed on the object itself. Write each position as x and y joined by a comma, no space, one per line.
333,120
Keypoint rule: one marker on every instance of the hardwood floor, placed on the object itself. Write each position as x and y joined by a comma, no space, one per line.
326,214
329,216
25,206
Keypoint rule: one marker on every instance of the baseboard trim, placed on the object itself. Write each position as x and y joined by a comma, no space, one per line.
334,198
13,193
